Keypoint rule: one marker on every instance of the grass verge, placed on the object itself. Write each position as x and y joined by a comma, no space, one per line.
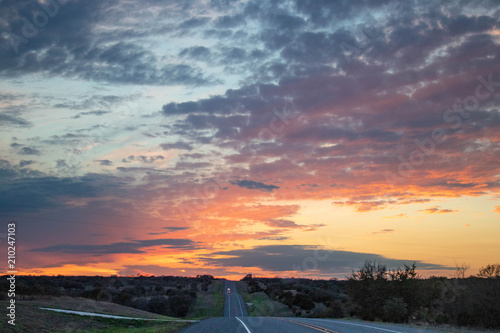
29,318
261,304
209,303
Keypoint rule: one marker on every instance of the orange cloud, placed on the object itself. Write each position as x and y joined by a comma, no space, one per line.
437,210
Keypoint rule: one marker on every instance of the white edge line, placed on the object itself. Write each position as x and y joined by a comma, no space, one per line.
82,313
244,325
239,303
374,327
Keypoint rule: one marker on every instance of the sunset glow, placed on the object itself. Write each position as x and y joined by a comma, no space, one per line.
291,138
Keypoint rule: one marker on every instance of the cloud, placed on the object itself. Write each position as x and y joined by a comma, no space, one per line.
144,159
176,145
24,163
383,231
29,151
105,162
94,101
278,223
157,270
288,112
61,164
289,224
94,55
192,165
168,230
10,120
497,209
437,210
175,228
276,258
252,185
95,113
36,191
275,238
133,247
196,52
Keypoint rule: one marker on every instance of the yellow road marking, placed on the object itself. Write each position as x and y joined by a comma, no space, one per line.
313,326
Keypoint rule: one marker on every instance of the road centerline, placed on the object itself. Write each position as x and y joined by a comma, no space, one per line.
309,325
361,325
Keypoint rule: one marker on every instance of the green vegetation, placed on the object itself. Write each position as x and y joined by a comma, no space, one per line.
29,318
209,303
172,296
400,296
377,293
153,329
261,304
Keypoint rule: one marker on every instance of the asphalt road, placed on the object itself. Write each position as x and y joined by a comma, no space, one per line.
236,320
233,302
296,325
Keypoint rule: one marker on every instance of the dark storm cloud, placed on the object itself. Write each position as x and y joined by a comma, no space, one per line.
135,246
292,257
252,185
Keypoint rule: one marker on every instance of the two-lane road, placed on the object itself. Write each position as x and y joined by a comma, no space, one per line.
236,320
233,303
234,311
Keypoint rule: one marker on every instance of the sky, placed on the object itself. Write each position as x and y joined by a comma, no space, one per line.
277,138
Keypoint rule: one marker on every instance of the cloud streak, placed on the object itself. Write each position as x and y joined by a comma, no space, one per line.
133,247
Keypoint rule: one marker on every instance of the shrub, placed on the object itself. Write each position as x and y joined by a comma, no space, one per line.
395,310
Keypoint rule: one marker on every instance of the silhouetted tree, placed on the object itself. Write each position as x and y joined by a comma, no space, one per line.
490,271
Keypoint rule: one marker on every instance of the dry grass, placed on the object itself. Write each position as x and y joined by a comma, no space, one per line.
88,305
29,318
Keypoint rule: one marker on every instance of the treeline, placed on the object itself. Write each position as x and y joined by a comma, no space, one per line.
401,296
167,295
376,293
305,297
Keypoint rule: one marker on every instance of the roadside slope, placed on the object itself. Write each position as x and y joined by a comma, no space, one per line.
261,304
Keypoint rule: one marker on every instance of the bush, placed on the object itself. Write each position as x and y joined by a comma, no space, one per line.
395,310
159,305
